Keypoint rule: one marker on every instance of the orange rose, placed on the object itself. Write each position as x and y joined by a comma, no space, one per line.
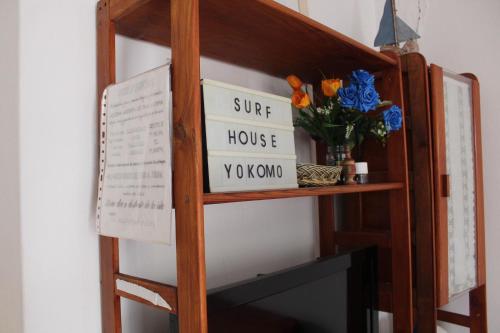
330,87
300,99
294,82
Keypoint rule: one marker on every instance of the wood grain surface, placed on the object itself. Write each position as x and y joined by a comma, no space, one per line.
214,198
417,105
167,292
258,34
108,247
439,166
187,154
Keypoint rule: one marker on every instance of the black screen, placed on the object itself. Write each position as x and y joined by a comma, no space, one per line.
335,294
316,307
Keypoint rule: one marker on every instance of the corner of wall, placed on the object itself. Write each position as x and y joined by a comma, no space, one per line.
10,244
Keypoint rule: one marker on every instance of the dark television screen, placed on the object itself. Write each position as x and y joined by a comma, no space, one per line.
335,294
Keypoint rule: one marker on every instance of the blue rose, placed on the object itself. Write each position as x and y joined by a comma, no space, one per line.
362,78
393,118
348,96
368,98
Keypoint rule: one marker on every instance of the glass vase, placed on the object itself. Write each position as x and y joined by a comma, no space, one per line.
335,155
331,156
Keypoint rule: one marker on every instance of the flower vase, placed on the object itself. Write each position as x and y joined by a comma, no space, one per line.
335,155
348,167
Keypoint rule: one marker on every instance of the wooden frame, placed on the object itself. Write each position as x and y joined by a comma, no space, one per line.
177,24
417,103
442,181
425,102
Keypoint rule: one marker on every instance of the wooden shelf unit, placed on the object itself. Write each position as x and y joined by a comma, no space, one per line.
265,36
217,198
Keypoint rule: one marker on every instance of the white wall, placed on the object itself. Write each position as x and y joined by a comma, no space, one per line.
58,164
10,245
57,154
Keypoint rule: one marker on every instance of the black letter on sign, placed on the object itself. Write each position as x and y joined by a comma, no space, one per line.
237,106
279,171
262,140
250,171
231,136
261,171
258,107
243,141
268,111
270,170
273,140
248,106
228,170
239,171
253,138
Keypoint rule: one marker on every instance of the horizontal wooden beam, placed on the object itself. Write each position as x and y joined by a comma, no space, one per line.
166,292
454,318
120,8
215,198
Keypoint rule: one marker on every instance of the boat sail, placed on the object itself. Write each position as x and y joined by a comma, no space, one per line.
393,30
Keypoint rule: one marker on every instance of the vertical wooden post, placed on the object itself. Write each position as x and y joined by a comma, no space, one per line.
439,168
417,105
325,213
478,165
477,297
188,181
108,247
399,214
478,310
326,226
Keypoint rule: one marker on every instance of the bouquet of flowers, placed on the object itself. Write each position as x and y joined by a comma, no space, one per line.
343,115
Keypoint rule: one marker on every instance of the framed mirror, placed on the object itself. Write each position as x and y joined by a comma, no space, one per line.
458,183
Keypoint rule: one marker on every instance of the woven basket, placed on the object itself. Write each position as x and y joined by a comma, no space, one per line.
318,175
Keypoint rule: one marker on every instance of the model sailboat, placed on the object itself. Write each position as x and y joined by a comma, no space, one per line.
393,30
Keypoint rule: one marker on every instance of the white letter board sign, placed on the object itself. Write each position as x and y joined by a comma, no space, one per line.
249,139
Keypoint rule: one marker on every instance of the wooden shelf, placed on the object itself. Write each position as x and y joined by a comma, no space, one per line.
259,34
217,198
265,36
